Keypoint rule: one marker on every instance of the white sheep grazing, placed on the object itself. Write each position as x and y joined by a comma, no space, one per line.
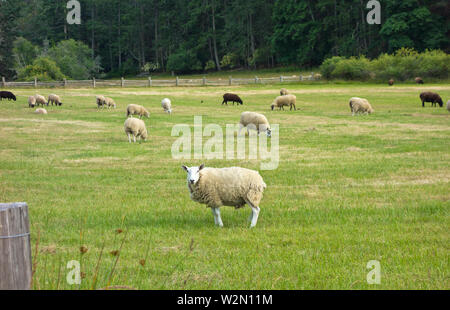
284,92
136,128
448,105
257,121
101,101
232,187
167,105
282,101
109,102
40,100
135,109
54,99
31,101
360,105
41,111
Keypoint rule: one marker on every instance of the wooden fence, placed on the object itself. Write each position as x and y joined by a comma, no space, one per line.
158,82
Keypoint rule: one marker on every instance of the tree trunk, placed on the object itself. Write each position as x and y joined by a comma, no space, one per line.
216,56
119,33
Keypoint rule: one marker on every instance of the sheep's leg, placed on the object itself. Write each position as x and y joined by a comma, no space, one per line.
134,137
255,213
217,219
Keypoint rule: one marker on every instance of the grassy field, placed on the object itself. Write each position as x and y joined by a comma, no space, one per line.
348,190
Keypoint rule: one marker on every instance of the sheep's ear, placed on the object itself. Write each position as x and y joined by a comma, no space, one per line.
201,167
185,168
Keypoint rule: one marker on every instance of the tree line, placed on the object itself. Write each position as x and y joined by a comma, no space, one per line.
132,36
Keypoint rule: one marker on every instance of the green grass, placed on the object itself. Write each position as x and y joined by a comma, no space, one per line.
348,190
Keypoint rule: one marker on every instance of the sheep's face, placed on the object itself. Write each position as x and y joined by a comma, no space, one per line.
269,133
193,174
147,114
272,106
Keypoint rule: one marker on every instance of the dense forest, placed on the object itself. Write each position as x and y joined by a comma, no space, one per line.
132,36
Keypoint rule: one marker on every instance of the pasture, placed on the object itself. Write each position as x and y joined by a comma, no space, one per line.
348,190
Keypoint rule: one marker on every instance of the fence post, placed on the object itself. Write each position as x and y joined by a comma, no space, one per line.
3,81
256,80
301,77
122,82
281,79
15,247
312,76
176,81
204,81
65,82
93,82
35,82
230,81
149,81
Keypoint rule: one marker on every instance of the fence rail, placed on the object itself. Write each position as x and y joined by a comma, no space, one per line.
160,83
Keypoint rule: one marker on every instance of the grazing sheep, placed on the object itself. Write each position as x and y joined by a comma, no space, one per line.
41,111
31,101
431,97
232,187
258,121
317,76
101,101
54,99
135,127
109,102
448,105
135,109
360,105
391,82
419,80
281,101
284,92
167,105
40,100
7,95
231,97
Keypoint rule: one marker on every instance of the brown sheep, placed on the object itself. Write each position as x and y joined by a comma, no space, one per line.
231,97
419,80
431,97
391,82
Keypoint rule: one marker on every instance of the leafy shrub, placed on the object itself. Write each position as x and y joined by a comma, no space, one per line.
183,61
229,61
210,65
43,68
404,64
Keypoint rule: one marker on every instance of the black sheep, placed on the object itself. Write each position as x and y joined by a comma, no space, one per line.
7,95
231,97
431,97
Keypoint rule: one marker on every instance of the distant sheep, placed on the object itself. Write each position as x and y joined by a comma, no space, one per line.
109,102
54,99
431,97
284,92
391,82
41,111
281,101
101,101
419,80
448,105
7,95
360,105
167,105
231,97
31,101
40,100
135,109
136,128
232,187
258,121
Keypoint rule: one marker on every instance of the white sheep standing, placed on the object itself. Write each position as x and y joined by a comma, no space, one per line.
41,111
232,187
136,128
448,105
101,101
284,92
360,105
135,109
282,101
167,105
40,100
31,101
109,102
257,121
54,99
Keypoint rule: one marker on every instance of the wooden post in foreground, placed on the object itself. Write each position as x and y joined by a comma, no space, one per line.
93,82
150,81
15,247
35,82
122,82
3,81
